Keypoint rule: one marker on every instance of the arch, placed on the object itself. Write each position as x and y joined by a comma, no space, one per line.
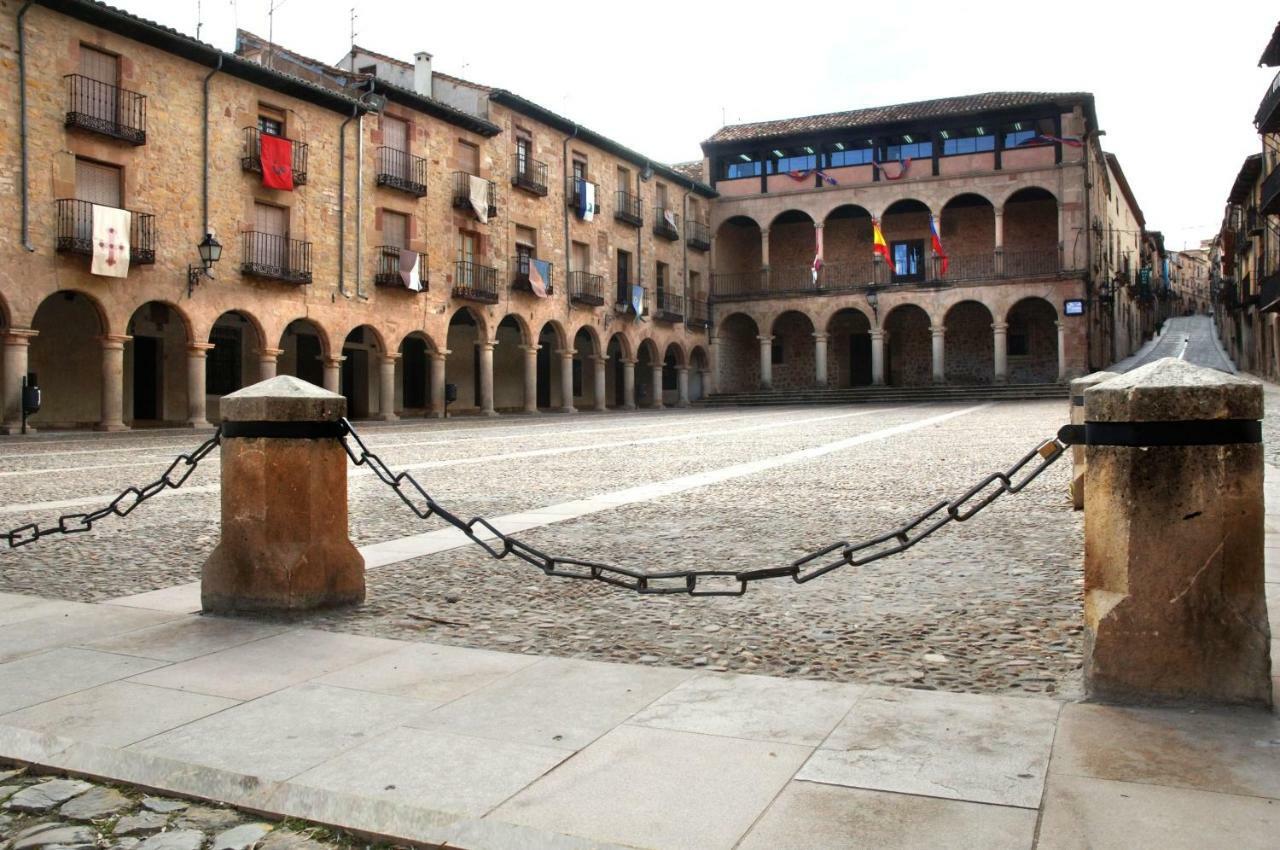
304,348
905,224
967,227
647,350
675,350
791,216
699,359
904,206
969,347
360,376
586,340
623,345
618,349
849,348
368,335
648,393
847,256
908,346
738,250
552,339
963,200
738,336
6,317
1029,193
310,326
462,367
793,351
1032,341
791,316
792,244
154,382
472,316
232,364
67,356
413,373
1031,236
560,334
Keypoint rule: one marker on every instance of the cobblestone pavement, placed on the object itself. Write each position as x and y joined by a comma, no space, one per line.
988,606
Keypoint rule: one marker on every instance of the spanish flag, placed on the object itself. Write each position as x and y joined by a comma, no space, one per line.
879,246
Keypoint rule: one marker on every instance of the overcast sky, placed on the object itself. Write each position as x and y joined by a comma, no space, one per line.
1176,91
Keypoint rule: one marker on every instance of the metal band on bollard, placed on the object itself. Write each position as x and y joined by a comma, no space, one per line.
285,430
1190,432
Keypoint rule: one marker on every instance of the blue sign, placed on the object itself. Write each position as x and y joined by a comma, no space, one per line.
1073,307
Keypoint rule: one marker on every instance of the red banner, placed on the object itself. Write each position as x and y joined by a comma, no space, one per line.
277,162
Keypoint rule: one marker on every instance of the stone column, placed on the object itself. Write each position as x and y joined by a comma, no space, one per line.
706,382
530,377
877,357
599,387
17,344
766,362
566,381
657,387
113,383
1000,338
939,334
629,384
1174,600
486,378
999,249
387,388
268,360
764,248
682,386
820,358
1078,387
437,359
284,543
333,373
197,362
710,385
1062,351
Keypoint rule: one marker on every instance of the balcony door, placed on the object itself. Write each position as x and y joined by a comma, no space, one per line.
395,138
395,230
270,247
468,157
523,147
466,260
97,184
624,277
100,97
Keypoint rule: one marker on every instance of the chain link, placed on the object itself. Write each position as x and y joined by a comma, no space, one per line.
122,505
715,582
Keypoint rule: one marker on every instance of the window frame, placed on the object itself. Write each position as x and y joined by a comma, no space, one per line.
912,246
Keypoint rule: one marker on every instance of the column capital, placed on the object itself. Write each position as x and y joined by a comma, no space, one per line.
938,330
876,333
1059,324
567,353
198,349
598,358
681,369
821,337
629,361
333,360
817,225
764,231
390,358
114,340
18,336
529,349
999,327
439,355
269,353
486,344
764,339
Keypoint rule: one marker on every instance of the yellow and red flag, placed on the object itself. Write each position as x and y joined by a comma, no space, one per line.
879,246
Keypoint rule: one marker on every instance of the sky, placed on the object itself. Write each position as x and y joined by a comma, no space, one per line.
1176,85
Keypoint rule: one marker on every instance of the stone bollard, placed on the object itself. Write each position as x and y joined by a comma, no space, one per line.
1078,386
284,543
1174,603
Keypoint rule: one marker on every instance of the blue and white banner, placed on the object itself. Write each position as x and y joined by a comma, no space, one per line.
637,300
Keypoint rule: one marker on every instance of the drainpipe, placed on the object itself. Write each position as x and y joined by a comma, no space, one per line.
204,177
22,131
342,201
567,171
684,255
360,197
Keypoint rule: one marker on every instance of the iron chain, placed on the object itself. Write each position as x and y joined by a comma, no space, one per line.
715,582
122,505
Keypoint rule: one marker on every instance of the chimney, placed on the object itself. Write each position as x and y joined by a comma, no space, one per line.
422,73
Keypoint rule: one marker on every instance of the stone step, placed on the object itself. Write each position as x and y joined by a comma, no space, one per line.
887,394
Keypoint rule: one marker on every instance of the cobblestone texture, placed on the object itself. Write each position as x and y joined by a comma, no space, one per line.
988,606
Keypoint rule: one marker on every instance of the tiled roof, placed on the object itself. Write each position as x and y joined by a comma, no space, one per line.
1271,53
942,107
691,169
1242,188
1125,189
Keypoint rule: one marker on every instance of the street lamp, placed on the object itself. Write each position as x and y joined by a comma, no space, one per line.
210,252
874,301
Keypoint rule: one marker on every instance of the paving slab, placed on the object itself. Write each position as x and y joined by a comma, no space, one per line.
1220,750
189,637
435,769
656,788
284,733
558,702
809,815
761,708
34,679
266,665
116,714
179,599
956,746
1082,813
71,623
431,673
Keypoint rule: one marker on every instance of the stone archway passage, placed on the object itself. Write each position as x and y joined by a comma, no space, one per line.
70,356
850,360
156,376
1033,342
970,344
909,347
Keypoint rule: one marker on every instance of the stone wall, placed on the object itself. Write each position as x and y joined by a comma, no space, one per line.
909,348
969,351
793,337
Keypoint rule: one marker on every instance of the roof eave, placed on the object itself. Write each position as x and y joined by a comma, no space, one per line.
435,108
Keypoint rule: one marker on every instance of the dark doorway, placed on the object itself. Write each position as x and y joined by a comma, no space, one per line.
414,364
544,376
619,373
859,360
146,378
309,366
354,368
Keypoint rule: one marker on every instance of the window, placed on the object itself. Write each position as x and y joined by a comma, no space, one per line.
468,157
524,153
270,121
580,256
967,140
908,149
371,70
579,169
525,248
742,165
848,154
624,179
660,279
1028,133
395,229
661,192
624,277
98,183
792,159
695,284
99,98
908,260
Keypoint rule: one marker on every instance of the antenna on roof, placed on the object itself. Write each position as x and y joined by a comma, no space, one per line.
271,28
199,22
353,37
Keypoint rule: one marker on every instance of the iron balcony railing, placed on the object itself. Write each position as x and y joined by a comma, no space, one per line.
475,282
668,307
699,315
1271,193
103,108
520,274
251,160
1267,118
402,170
529,174
571,194
388,273
697,234
462,193
75,231
624,297
1033,262
275,257
627,207
666,223
1269,293
586,288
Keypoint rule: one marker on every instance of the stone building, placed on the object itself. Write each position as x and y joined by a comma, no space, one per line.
1189,279
1245,256
404,245
1036,225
